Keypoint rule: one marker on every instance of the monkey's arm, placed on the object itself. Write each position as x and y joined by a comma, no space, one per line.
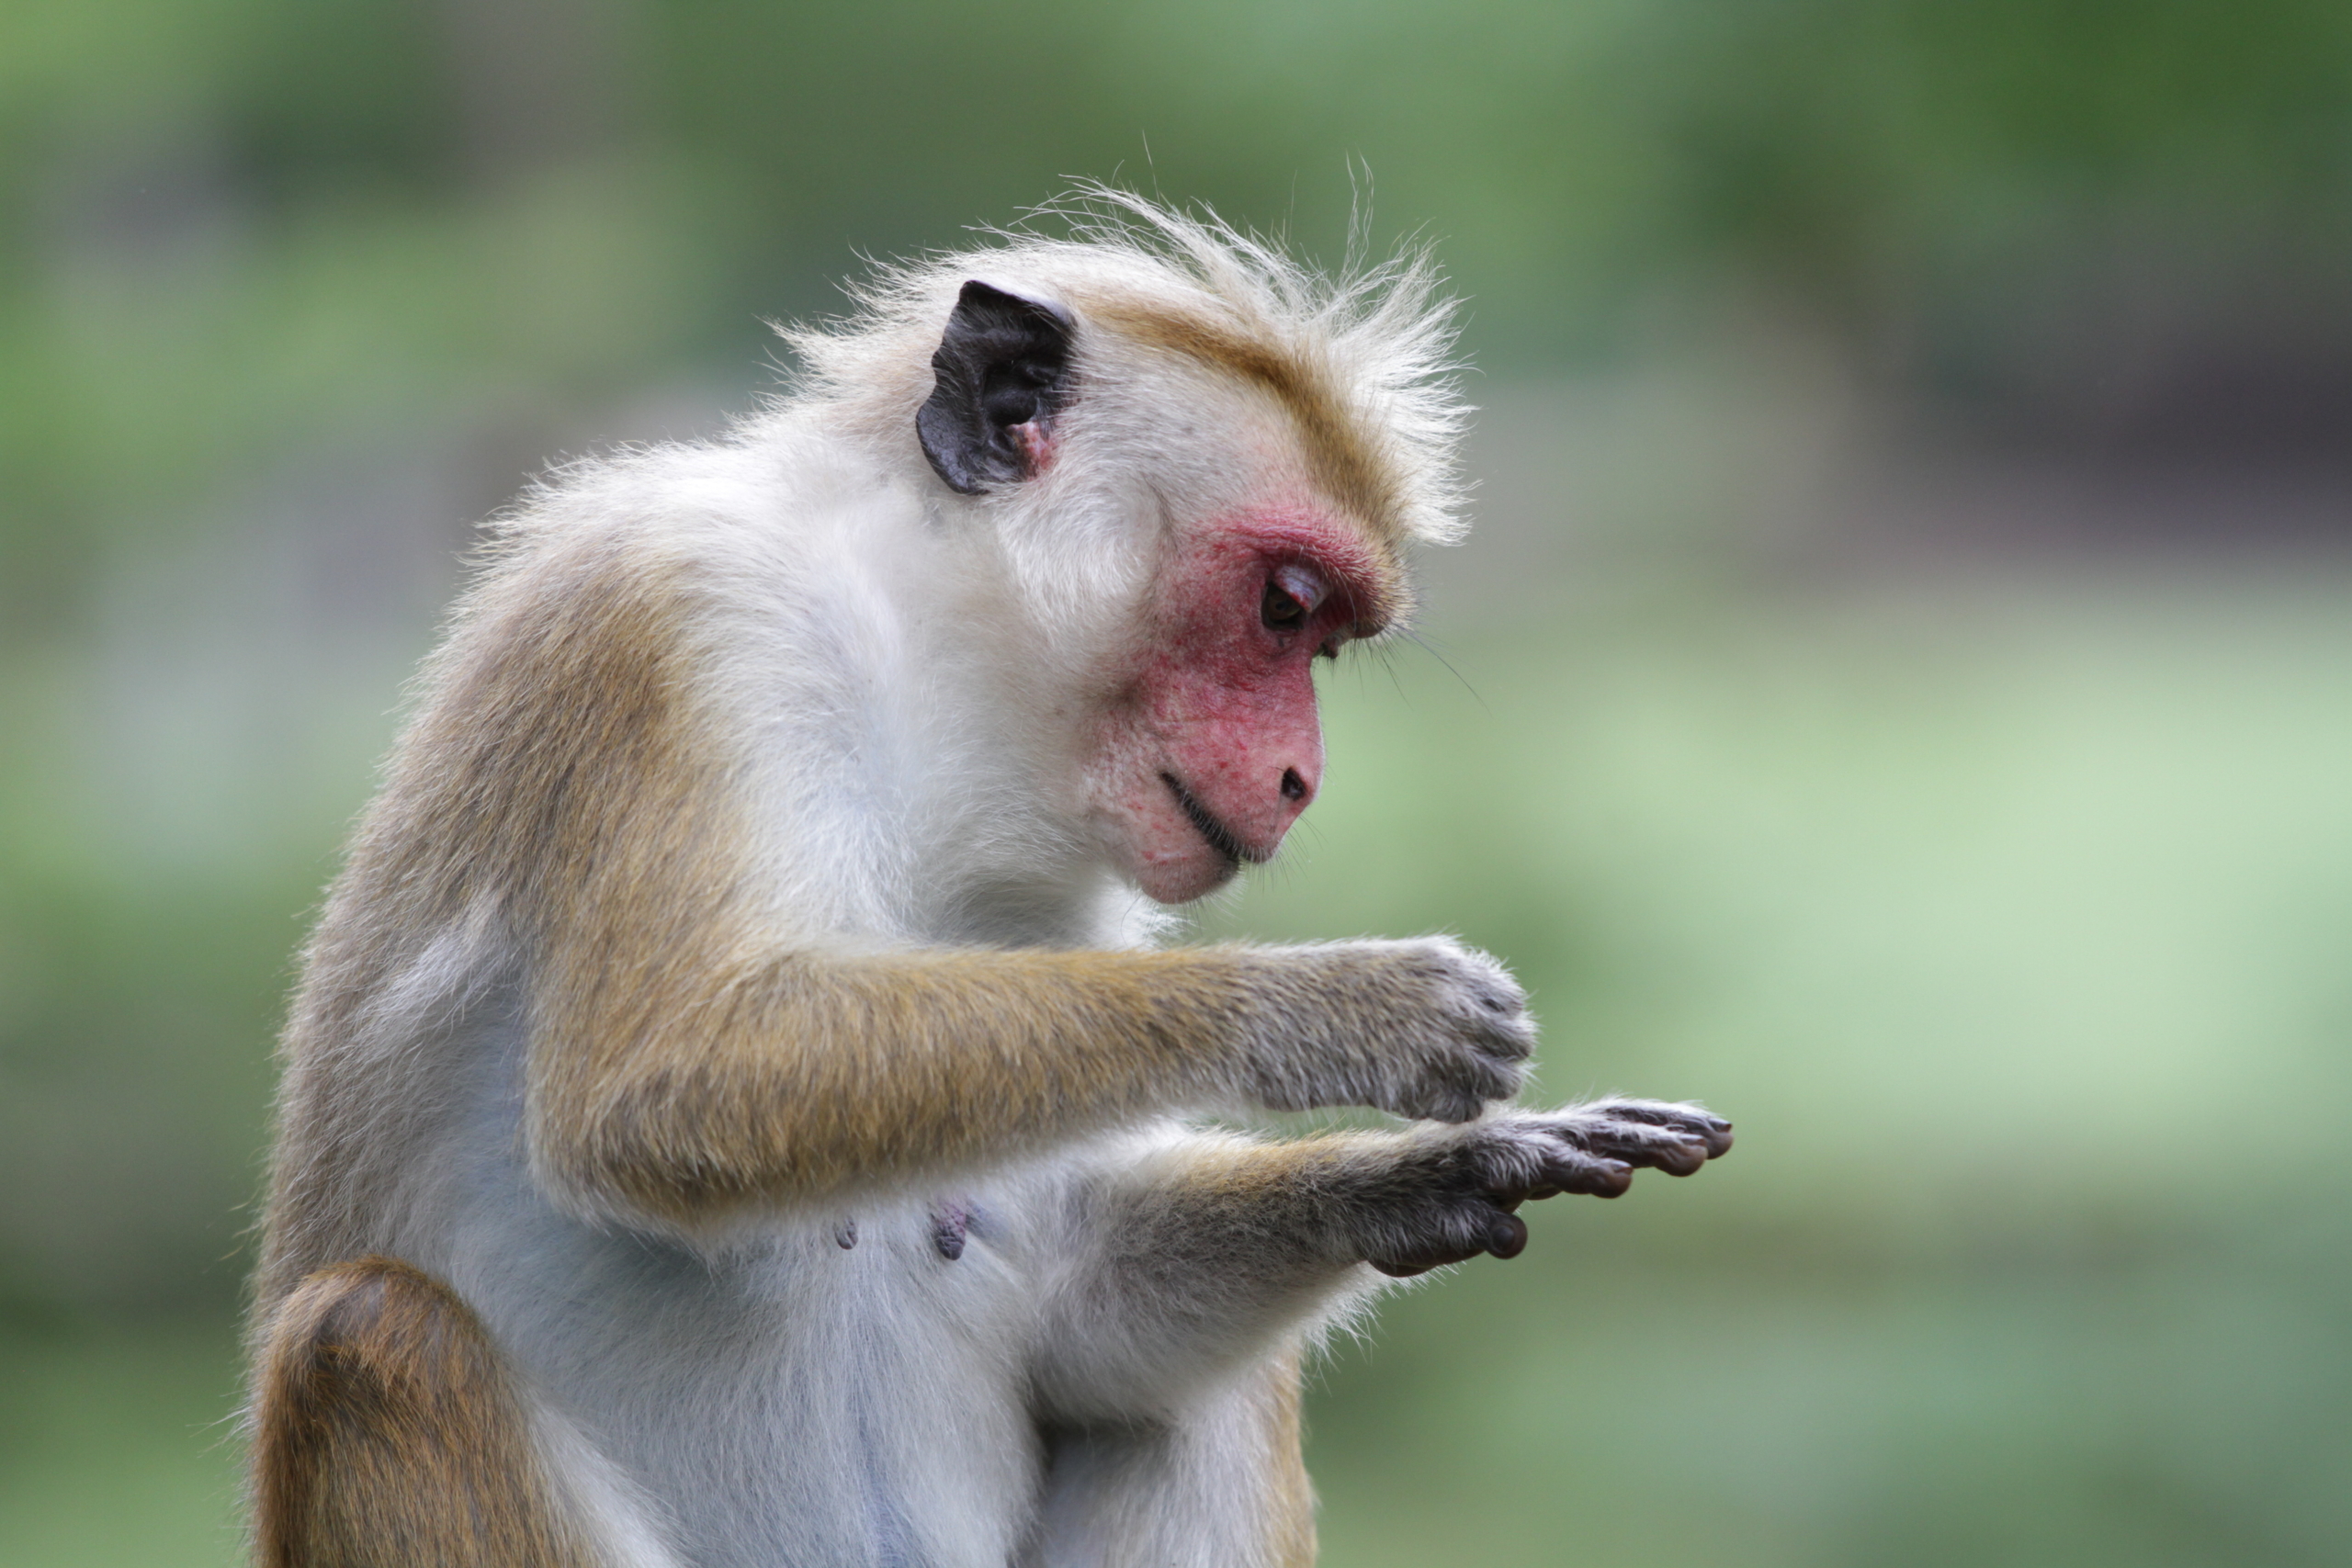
579,774
1208,1248
679,1088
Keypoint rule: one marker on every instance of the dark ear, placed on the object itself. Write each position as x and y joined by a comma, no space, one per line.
1004,361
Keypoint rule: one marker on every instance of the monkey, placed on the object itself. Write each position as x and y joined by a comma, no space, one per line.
739,1103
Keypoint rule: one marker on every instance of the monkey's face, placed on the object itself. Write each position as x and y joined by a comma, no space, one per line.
1212,747
1177,461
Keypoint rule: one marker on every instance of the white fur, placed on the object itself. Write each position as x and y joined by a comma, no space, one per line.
891,657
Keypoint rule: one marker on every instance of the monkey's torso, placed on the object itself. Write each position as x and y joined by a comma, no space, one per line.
847,1385
760,1394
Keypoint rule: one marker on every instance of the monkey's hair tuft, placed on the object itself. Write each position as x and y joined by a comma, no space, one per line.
1373,342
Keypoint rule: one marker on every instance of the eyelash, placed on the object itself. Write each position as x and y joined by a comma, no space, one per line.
1284,609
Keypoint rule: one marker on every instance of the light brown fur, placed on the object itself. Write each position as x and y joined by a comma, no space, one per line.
570,852
1290,1495
389,1435
1353,468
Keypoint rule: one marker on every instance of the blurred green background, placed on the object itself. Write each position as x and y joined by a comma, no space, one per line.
1900,689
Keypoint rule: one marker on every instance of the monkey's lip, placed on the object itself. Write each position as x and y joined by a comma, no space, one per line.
1222,838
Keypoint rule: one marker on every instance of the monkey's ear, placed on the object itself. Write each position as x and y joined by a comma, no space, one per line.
1003,362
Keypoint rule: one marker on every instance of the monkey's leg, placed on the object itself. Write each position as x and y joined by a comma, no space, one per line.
1220,1482
389,1434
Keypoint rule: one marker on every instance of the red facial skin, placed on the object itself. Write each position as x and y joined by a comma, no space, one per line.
1211,746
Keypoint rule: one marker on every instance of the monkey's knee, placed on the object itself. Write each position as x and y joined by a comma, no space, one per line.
389,1434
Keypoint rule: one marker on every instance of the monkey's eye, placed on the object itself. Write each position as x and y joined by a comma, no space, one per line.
1292,593
1280,611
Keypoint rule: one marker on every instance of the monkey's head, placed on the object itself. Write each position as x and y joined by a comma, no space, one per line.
1203,467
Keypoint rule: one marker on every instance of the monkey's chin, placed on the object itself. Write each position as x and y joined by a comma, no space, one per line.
1182,880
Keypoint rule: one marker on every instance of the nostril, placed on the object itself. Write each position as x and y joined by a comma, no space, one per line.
1294,787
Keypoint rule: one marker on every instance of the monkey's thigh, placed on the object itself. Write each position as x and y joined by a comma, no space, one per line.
389,1434
1222,1485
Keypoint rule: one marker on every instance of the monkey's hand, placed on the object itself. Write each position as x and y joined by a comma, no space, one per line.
1427,1029
1451,1197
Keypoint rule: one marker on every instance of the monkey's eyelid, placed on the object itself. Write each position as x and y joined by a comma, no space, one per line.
1301,584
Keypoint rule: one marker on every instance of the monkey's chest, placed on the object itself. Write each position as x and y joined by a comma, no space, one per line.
850,1388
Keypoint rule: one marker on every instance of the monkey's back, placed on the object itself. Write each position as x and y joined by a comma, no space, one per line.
794,1399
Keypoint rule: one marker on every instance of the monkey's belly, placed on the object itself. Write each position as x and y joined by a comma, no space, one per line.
792,1401
783,1401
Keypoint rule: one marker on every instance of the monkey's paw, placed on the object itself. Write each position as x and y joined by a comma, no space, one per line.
1452,1198
1427,1029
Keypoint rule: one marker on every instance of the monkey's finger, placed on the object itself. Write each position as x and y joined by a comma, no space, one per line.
1506,1236
1674,1150
1404,1265
1571,1170
1451,1106
1691,1121
1448,1230
1674,1157
1508,1036
1463,1091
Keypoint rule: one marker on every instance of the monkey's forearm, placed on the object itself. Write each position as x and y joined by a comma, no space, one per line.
678,1089
795,1075
1205,1253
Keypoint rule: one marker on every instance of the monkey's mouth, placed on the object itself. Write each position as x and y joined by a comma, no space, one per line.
1220,837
